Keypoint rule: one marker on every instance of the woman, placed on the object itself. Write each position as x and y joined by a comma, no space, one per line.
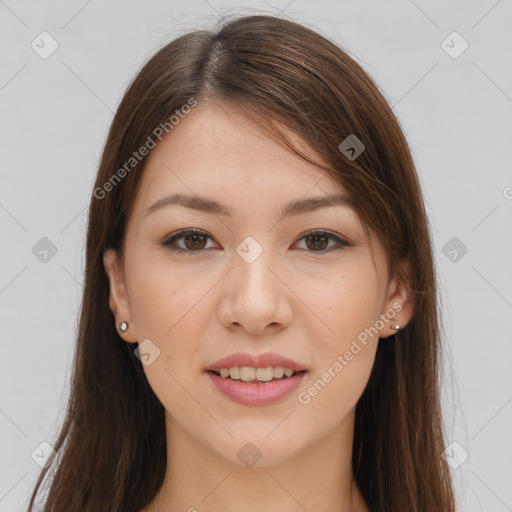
259,328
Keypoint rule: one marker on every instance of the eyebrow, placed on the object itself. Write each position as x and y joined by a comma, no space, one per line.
207,205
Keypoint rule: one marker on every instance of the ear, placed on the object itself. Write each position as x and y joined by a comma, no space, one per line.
118,298
398,307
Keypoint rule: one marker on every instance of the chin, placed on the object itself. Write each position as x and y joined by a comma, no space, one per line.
260,450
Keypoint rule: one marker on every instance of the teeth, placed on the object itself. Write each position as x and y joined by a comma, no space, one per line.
248,373
234,373
278,372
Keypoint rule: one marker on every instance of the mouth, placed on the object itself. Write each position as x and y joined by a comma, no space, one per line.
256,379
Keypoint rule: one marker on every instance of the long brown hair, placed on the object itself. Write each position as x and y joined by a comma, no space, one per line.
112,446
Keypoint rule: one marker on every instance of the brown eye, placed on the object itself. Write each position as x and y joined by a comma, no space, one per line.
192,241
318,241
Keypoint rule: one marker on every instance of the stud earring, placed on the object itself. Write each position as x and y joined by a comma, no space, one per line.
123,326
395,326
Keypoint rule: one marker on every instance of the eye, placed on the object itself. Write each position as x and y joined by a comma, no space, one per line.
194,241
318,241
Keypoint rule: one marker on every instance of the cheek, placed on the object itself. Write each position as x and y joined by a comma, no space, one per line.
171,309
334,392
165,300
345,305
167,309
345,345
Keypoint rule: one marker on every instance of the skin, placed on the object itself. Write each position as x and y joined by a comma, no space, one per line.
294,299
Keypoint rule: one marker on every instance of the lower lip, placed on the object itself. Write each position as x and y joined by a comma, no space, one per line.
256,393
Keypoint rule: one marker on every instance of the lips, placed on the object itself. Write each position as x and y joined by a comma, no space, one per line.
256,393
256,361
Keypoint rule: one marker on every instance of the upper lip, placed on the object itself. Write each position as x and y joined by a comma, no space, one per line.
255,361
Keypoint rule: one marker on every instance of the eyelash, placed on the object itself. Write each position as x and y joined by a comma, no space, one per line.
168,243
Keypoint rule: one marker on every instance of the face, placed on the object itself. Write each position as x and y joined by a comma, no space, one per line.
249,280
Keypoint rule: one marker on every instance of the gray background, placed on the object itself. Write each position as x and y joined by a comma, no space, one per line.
456,112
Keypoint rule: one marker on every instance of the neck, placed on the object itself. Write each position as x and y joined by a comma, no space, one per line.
318,477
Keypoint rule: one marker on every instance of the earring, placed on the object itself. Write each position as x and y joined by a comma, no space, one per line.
123,326
395,326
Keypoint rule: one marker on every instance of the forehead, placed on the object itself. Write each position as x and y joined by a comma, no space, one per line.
214,150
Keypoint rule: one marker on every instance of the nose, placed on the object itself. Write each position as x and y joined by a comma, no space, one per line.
255,298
